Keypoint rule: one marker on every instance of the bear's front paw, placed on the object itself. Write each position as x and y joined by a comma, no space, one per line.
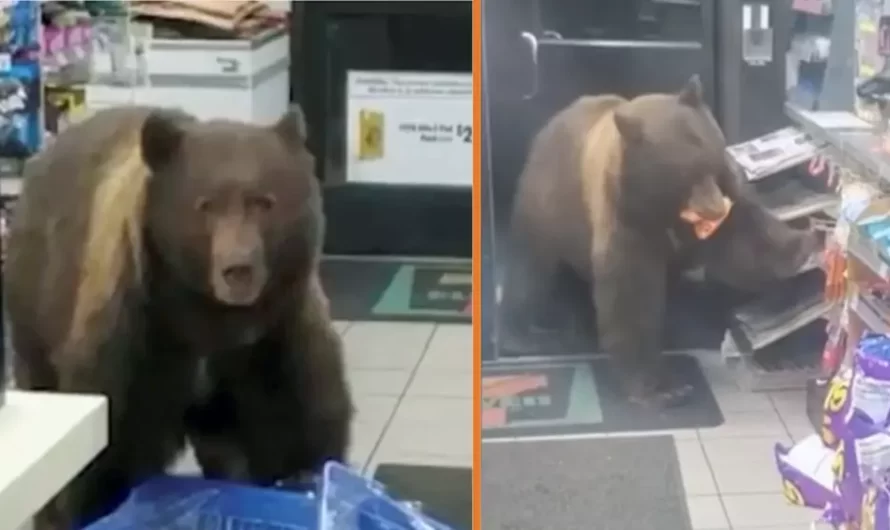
664,391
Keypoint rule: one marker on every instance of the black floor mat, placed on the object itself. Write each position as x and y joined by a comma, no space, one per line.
445,493
696,319
579,397
628,483
403,290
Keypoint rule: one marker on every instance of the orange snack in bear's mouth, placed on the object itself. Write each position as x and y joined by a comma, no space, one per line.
705,228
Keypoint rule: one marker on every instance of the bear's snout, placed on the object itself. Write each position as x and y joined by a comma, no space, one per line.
239,281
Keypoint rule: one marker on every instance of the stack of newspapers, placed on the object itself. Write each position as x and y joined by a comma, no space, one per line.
772,153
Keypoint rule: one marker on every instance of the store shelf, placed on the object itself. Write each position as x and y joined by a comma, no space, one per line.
867,310
848,140
866,252
796,303
786,364
790,197
10,186
45,440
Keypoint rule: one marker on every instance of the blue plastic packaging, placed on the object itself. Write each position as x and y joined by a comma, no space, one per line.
341,500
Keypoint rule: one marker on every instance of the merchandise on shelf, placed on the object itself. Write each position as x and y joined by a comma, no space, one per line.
63,105
834,469
20,126
18,30
20,80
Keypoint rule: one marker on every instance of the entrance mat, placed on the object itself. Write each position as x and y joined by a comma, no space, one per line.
445,493
696,318
631,483
398,290
580,397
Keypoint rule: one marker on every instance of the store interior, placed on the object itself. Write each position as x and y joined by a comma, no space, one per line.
799,92
396,266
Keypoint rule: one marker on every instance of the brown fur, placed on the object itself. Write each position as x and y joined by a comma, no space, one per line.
108,291
602,191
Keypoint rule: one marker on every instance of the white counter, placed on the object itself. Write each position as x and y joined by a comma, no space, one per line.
45,440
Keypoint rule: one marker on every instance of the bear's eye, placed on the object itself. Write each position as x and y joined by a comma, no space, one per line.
202,204
261,203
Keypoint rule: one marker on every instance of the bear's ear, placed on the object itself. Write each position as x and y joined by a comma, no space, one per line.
292,126
162,134
692,94
629,126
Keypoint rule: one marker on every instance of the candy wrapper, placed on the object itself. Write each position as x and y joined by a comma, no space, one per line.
835,409
862,457
875,511
807,473
870,388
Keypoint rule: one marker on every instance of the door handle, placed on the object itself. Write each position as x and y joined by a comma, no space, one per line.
622,44
533,47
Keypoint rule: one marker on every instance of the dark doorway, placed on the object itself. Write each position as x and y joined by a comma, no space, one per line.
540,55
333,38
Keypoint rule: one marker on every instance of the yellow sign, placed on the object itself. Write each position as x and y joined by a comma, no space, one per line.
370,131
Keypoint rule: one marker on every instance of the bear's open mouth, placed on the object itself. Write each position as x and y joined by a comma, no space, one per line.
239,285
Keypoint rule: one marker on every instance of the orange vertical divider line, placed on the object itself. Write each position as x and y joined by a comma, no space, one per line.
477,265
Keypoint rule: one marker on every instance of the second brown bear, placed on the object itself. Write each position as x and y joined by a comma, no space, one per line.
602,191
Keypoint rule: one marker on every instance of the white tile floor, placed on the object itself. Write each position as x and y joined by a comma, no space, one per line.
412,385
729,471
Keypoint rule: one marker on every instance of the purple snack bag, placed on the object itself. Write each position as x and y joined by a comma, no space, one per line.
870,385
873,513
835,409
835,516
806,472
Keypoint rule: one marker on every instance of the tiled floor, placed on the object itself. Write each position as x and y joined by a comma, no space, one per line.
412,385
729,471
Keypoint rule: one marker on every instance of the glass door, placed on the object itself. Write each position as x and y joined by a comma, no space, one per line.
539,56
412,217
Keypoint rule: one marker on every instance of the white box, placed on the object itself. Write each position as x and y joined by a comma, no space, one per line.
244,80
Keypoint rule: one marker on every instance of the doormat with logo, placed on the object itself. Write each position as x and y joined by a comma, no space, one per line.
398,290
583,397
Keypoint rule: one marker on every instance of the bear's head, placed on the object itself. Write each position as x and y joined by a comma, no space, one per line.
672,158
233,211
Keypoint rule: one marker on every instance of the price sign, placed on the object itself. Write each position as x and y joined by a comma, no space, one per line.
410,128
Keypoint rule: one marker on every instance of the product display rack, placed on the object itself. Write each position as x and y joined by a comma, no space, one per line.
774,341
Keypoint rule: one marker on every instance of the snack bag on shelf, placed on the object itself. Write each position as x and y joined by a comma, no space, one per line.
870,385
835,272
835,409
806,471
837,518
875,509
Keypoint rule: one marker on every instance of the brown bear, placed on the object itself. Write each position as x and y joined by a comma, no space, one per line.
602,191
171,265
